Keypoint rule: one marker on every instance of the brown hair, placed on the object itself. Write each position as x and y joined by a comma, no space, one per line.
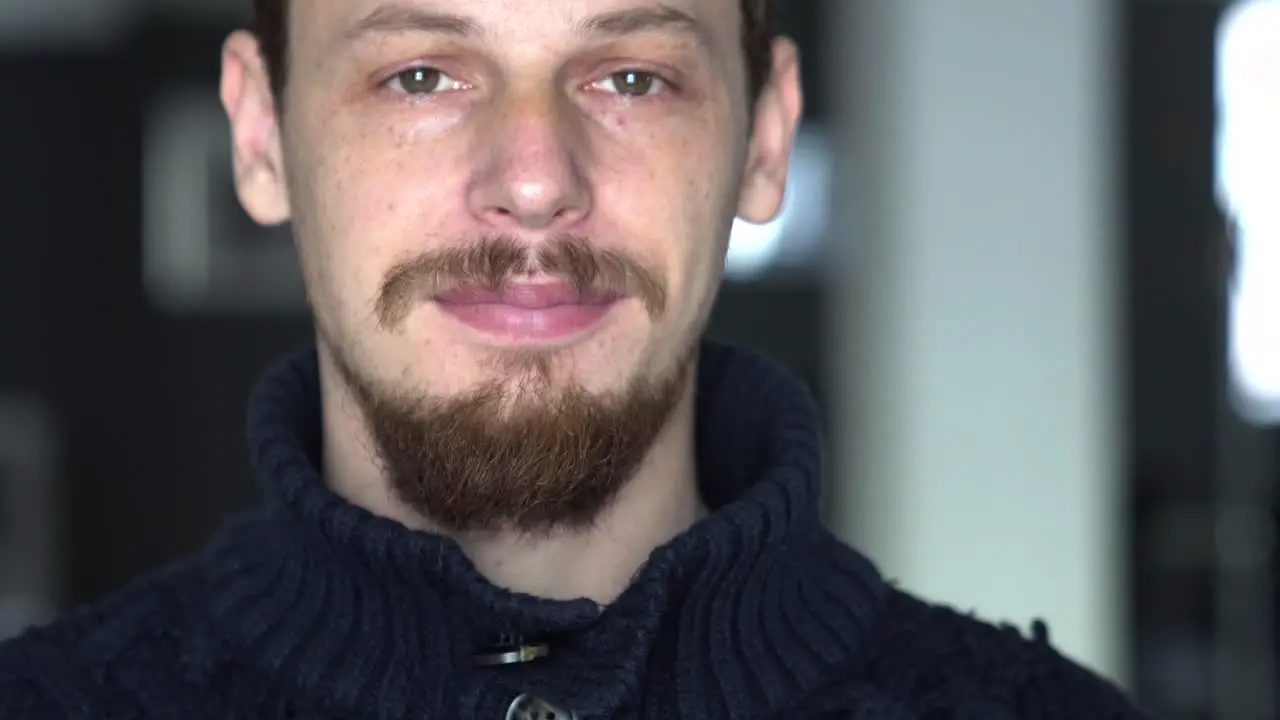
759,28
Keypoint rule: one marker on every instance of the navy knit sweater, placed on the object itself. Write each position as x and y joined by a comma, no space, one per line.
314,609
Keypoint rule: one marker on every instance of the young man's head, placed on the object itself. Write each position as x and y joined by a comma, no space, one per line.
512,218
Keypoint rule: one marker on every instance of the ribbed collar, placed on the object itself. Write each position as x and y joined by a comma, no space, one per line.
744,615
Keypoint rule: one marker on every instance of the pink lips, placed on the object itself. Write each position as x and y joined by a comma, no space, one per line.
531,312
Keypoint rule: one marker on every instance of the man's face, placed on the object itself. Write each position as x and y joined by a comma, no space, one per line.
524,196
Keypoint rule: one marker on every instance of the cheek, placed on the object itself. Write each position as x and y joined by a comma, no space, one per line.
357,225
696,246
674,207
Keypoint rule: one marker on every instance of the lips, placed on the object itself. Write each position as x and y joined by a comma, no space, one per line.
528,296
528,313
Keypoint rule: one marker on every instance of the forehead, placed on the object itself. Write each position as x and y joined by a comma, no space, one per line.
336,23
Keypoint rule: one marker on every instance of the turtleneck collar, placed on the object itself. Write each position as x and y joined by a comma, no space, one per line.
743,615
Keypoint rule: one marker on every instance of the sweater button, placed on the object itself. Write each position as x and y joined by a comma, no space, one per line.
531,708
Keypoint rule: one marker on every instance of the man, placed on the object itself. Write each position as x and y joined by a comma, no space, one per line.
511,481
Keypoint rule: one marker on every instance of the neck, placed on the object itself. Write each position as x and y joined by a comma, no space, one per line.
752,611
660,502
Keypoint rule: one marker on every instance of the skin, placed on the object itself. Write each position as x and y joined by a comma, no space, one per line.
530,132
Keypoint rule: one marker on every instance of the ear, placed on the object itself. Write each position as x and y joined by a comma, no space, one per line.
776,118
257,157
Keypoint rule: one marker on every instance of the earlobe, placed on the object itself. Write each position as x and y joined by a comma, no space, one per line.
776,119
762,193
257,155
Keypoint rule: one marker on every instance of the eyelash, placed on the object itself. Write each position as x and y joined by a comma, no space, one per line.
663,84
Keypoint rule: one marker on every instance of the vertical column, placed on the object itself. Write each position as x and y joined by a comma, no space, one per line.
975,309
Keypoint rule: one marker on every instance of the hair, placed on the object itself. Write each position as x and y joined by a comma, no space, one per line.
759,28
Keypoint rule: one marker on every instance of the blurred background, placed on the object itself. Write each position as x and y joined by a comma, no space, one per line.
1029,265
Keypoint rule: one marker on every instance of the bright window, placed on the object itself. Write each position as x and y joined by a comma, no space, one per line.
1248,185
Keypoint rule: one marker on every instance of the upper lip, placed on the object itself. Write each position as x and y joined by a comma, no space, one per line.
527,295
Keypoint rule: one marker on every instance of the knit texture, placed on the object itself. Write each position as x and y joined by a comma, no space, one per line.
312,608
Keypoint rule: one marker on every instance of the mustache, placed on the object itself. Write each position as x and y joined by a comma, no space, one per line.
492,262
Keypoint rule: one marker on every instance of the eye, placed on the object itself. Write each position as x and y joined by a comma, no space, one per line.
632,83
423,81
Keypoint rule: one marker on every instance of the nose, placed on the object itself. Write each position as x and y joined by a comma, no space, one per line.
531,174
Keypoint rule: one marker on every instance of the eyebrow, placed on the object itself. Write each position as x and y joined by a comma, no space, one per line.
658,18
396,18
391,19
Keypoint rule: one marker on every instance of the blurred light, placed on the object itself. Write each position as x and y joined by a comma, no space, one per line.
42,25
792,238
1248,186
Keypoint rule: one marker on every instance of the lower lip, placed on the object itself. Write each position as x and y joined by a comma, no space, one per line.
527,324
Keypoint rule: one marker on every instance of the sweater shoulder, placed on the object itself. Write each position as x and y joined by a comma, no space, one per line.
934,655
84,664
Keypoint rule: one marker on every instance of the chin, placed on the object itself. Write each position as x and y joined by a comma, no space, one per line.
554,372
602,363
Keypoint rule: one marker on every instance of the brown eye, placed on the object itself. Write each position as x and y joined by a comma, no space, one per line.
633,83
423,81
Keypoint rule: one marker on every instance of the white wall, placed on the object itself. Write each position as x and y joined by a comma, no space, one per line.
976,328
